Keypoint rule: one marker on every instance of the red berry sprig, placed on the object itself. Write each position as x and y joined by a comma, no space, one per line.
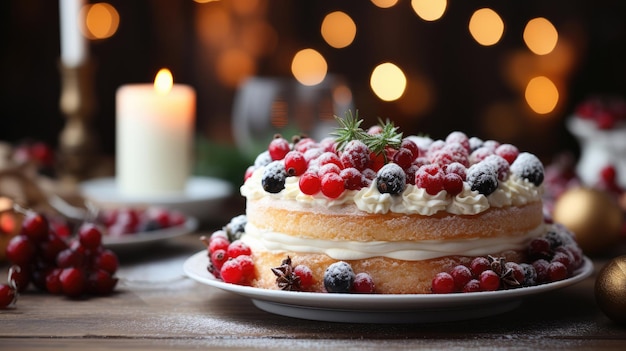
229,261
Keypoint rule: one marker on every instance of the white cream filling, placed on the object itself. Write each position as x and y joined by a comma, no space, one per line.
269,240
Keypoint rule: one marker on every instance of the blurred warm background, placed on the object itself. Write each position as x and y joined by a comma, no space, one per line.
506,70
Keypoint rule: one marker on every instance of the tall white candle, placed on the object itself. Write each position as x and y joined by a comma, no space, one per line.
154,135
73,42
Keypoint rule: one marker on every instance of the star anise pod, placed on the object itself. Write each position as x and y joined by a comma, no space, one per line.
285,276
506,274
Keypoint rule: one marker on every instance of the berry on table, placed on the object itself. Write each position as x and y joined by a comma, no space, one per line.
35,226
8,295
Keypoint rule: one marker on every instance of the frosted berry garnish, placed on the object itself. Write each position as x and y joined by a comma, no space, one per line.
431,178
442,283
363,284
528,166
278,148
391,179
274,175
295,163
338,277
483,177
355,154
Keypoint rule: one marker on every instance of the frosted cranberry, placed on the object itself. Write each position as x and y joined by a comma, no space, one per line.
442,283
329,157
356,155
305,274
231,271
410,174
20,250
352,178
295,163
309,183
539,248
472,286
541,268
489,280
373,130
247,268
332,185
218,257
328,168
412,146
278,148
238,248
480,154
491,144
452,184
219,243
500,164
461,275
508,152
304,144
565,257
248,172
434,147
556,271
459,137
457,168
479,265
403,158
329,144
363,284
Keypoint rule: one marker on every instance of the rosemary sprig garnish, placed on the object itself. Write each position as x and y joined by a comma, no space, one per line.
350,129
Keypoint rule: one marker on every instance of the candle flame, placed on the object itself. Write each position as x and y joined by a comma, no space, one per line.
163,81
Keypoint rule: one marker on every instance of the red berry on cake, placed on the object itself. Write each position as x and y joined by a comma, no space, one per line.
356,154
278,148
332,185
363,284
529,167
310,183
442,283
305,274
295,163
489,280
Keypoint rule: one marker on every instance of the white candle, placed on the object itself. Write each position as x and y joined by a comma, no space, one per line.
73,43
154,135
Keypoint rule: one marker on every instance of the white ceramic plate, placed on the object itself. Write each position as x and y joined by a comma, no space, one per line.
141,239
200,199
371,308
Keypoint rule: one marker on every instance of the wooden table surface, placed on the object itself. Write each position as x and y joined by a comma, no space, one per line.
157,307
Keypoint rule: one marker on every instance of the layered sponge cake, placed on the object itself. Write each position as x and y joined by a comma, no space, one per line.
373,211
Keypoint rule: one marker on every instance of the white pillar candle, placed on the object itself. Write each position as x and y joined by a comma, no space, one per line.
154,135
73,42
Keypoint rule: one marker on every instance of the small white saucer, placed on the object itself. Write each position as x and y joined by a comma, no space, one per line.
200,199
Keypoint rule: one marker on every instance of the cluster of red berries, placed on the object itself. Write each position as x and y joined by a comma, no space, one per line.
552,257
606,113
433,165
229,260
123,221
41,256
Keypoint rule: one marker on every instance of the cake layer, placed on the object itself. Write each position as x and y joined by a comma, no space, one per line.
353,225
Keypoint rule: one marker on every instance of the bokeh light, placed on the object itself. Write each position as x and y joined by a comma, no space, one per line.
309,67
541,95
101,21
233,66
540,36
384,4
338,29
388,81
486,26
429,10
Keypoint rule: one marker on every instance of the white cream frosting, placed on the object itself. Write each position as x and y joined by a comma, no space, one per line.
515,191
402,250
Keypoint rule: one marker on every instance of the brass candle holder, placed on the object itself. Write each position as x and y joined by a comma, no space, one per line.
77,143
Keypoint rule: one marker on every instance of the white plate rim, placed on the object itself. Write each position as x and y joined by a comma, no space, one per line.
104,190
195,268
190,225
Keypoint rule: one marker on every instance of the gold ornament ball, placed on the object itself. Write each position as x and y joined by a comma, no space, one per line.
610,289
592,215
